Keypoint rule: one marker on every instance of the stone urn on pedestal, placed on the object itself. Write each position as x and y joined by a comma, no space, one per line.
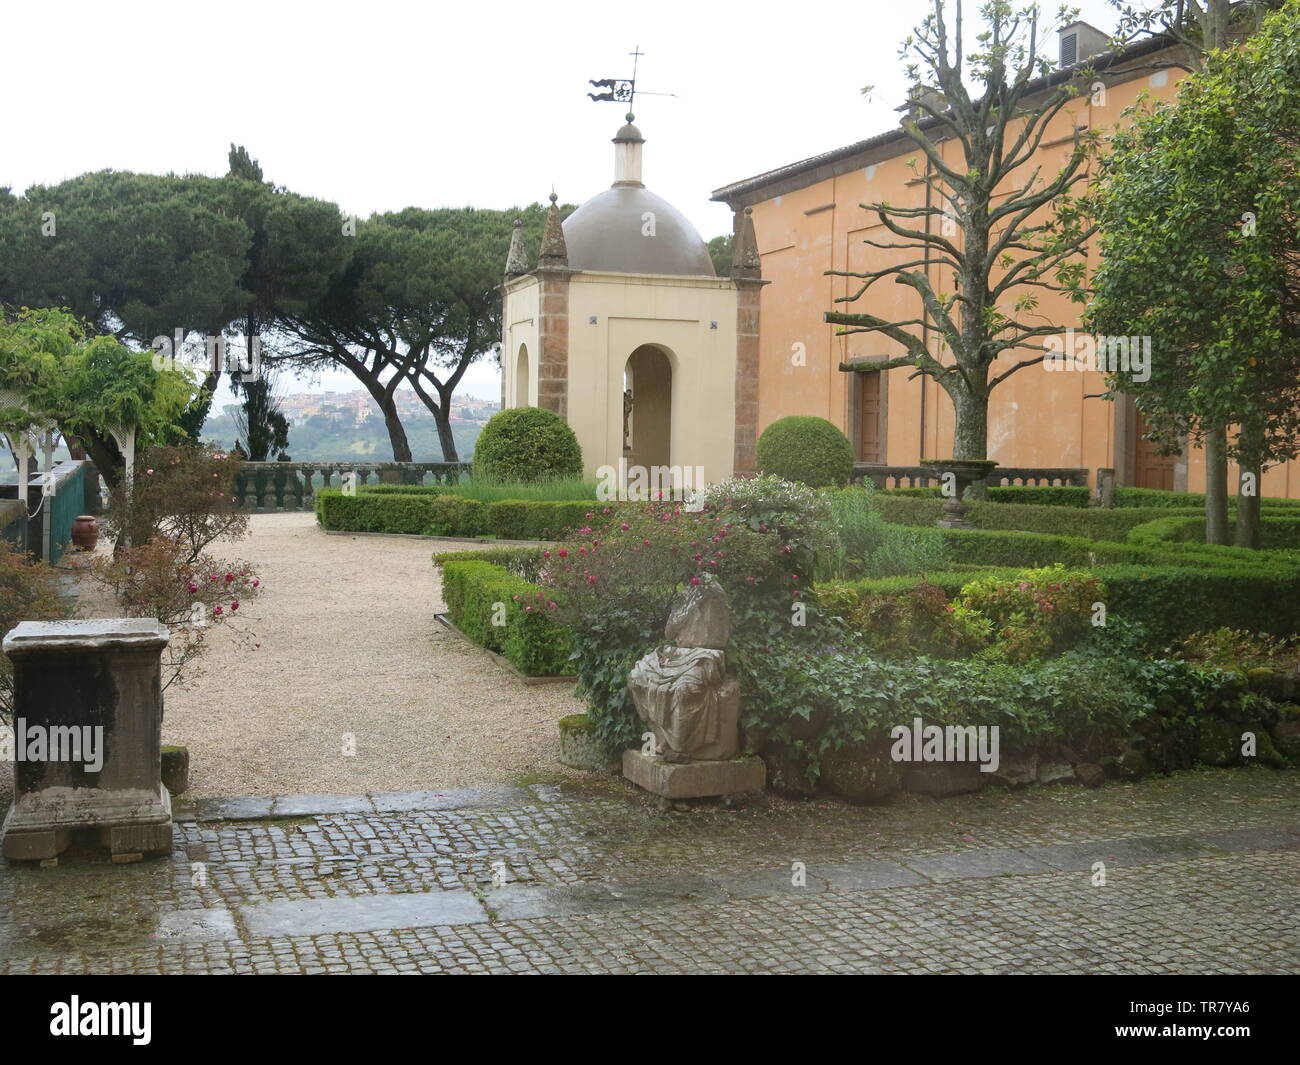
957,475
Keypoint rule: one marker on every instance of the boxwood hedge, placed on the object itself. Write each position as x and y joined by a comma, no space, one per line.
431,514
479,594
1156,497
1169,601
1095,523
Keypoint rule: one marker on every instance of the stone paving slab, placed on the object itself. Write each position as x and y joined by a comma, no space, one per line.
998,861
311,805
518,902
452,799
312,917
1136,851
867,876
1240,840
270,807
771,882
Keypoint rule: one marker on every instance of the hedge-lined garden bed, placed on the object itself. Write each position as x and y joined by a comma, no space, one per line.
983,642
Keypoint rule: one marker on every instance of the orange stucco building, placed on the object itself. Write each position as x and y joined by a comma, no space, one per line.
808,218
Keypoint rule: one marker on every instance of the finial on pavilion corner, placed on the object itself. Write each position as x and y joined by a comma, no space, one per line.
745,260
517,258
553,253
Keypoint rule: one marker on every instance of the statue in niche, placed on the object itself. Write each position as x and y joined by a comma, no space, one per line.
627,419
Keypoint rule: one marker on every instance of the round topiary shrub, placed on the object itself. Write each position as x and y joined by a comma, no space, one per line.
527,444
811,450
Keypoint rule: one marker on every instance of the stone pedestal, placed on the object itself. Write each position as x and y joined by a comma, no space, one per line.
87,739
694,780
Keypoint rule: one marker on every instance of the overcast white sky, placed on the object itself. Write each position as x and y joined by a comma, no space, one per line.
386,104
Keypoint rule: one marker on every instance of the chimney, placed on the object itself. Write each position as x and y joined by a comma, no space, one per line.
927,94
1080,41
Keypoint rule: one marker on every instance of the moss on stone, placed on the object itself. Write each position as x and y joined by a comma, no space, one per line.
862,772
1215,743
1266,751
1132,764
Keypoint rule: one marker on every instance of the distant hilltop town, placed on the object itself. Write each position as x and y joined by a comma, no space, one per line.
337,426
359,405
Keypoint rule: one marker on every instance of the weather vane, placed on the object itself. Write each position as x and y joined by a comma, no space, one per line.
622,90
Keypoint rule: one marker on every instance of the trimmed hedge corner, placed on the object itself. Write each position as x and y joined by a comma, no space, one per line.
479,593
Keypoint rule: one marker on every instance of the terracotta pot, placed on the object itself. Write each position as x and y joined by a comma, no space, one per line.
85,532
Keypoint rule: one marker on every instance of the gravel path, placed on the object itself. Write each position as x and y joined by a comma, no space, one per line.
349,645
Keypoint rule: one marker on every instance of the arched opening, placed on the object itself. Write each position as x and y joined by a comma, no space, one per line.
522,383
648,407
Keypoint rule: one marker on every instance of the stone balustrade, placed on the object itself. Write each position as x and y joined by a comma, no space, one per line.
271,486
928,477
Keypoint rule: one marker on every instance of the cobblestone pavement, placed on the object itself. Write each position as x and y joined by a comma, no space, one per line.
1202,875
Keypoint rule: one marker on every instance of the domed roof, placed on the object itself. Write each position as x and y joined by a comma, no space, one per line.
606,233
